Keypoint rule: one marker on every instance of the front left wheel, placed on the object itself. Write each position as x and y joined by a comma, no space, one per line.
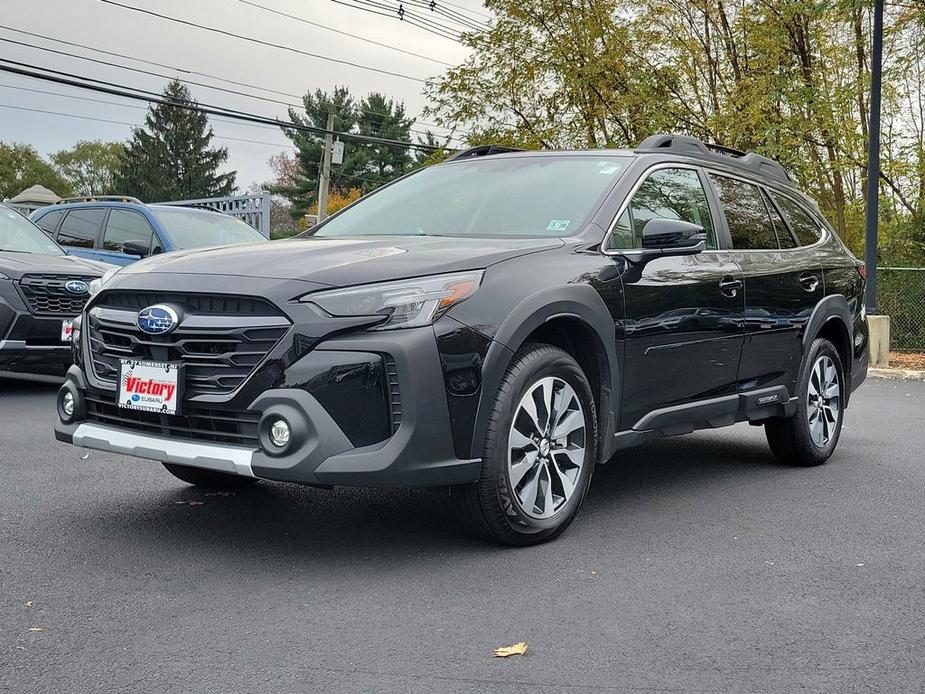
539,453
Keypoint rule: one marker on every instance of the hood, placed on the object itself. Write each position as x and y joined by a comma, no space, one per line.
341,262
15,265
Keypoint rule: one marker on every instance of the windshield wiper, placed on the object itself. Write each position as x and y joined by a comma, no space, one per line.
12,250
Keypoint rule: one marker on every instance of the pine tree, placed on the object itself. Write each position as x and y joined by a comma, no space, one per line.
366,165
170,158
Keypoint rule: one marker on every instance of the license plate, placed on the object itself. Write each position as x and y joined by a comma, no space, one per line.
150,386
67,330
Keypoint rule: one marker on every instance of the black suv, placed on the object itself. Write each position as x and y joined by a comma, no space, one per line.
497,324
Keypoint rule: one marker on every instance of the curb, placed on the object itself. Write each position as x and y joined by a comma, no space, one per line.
897,374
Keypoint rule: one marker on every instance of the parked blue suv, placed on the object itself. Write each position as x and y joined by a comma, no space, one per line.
121,230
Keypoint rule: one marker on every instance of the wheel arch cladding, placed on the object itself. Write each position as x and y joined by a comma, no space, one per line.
576,320
831,320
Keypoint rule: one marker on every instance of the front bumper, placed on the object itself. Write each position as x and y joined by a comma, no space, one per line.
420,451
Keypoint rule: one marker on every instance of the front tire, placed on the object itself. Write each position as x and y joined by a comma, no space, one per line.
208,479
810,436
539,453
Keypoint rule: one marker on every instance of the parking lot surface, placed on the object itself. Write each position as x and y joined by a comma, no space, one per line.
697,564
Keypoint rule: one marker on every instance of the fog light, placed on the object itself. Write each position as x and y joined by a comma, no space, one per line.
279,433
67,404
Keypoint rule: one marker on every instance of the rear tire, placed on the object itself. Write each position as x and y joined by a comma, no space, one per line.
208,479
810,436
539,454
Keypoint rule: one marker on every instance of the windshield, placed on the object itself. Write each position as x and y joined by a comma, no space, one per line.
22,236
192,229
507,196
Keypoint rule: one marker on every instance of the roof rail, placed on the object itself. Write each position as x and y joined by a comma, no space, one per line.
481,151
693,147
101,198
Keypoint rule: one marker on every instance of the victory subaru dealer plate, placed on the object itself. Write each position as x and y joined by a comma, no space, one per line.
67,330
150,386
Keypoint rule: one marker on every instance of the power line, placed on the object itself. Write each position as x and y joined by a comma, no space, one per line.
467,9
261,42
403,14
59,77
343,33
437,8
217,137
171,77
392,13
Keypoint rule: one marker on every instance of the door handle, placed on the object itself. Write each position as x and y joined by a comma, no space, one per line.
730,286
809,282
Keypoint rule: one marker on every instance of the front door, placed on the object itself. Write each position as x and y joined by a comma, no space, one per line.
682,333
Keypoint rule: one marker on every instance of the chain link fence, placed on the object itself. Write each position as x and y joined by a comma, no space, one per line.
901,296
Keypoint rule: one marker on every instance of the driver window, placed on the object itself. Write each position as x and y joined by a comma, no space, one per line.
665,194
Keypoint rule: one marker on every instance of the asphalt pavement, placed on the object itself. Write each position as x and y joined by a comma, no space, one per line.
697,564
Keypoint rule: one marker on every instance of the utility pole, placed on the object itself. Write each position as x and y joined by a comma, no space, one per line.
325,177
873,162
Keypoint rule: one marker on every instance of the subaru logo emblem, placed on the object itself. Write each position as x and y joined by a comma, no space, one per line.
157,319
77,287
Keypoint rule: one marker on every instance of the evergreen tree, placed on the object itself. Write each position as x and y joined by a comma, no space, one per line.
170,158
366,165
379,116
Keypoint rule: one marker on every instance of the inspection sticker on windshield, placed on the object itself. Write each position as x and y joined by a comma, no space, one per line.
67,330
150,386
557,225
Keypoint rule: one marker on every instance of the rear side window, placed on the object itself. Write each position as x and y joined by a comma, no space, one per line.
746,214
803,226
784,237
81,227
124,225
665,194
49,222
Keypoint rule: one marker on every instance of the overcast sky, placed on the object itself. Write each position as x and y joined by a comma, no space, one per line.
94,23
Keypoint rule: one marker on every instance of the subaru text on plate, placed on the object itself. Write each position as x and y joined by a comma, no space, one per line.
497,324
42,290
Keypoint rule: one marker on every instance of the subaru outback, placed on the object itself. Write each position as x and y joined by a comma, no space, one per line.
497,324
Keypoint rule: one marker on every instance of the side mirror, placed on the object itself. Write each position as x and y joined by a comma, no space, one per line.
135,248
673,237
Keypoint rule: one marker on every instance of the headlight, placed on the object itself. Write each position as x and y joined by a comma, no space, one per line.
407,303
97,284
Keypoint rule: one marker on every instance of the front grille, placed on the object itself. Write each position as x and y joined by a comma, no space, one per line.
219,348
199,424
46,294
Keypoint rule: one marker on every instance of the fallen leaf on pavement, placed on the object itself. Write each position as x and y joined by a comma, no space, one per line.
191,502
29,604
36,628
516,649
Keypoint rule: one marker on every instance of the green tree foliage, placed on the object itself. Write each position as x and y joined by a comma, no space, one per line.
90,166
21,166
787,78
170,158
366,165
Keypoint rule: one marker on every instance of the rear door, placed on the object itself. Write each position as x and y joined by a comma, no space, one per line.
783,283
682,328
80,230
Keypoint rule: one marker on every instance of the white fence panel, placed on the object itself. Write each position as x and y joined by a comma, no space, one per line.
253,209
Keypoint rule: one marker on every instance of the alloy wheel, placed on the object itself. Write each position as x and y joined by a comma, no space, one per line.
546,448
823,401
